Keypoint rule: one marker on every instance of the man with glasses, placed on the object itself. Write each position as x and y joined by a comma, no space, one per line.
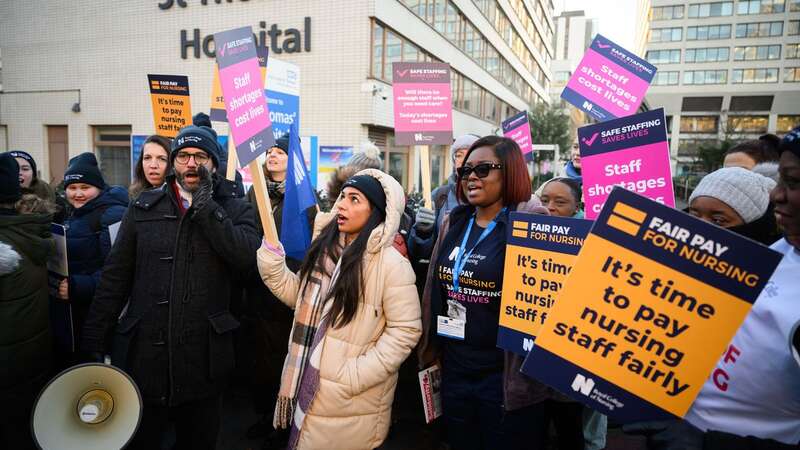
179,253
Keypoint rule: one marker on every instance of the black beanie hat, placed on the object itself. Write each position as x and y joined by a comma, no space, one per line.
83,169
371,188
10,190
198,135
27,157
791,142
283,143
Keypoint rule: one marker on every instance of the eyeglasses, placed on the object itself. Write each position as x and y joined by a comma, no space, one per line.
481,170
199,158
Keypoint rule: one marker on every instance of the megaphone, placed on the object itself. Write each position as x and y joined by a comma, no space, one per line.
88,406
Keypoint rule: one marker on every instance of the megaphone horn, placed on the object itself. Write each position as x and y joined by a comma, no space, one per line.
88,406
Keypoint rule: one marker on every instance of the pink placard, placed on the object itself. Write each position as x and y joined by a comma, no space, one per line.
423,109
648,174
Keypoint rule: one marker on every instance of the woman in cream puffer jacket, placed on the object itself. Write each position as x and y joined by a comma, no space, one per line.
359,361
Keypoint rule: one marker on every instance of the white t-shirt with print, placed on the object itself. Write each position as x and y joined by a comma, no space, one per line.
755,388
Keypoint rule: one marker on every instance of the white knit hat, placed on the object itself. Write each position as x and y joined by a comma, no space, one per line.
745,191
464,141
366,156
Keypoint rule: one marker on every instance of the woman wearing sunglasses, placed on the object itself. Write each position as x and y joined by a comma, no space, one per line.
487,403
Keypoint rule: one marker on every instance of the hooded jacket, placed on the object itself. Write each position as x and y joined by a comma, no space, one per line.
360,361
25,338
518,390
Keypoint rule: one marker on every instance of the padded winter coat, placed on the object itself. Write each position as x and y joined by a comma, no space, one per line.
360,361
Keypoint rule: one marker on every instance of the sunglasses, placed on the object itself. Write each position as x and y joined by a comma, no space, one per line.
481,170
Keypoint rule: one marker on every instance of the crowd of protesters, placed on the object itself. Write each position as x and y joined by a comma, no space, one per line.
172,279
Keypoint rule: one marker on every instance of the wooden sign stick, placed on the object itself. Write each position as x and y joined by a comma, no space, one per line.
425,172
264,205
233,161
260,186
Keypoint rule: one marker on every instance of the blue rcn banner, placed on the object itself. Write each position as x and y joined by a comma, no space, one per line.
539,257
295,230
283,95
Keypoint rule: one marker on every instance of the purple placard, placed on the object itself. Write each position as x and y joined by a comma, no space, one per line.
243,90
631,152
609,82
518,128
423,108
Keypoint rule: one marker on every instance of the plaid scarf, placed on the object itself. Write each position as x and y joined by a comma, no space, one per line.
300,378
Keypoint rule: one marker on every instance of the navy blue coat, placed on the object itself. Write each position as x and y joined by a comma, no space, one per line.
88,244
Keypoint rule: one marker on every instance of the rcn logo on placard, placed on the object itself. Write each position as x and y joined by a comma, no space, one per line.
419,137
587,105
252,146
583,384
527,345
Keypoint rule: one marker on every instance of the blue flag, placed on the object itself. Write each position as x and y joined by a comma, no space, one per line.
295,230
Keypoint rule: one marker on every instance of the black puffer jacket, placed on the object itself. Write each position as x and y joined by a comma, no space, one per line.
25,338
178,271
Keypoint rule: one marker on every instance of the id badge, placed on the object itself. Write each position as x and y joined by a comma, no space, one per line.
450,328
455,323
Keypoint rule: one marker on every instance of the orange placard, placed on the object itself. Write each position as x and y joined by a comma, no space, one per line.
172,109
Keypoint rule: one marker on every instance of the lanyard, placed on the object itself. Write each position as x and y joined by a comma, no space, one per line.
463,255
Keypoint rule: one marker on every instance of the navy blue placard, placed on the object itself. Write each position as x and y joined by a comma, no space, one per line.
627,132
577,228
237,45
747,255
611,50
590,389
589,107
514,121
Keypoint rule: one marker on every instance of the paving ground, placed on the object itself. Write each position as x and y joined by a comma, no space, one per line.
408,430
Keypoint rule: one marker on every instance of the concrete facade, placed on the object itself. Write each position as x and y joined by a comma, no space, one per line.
97,54
737,102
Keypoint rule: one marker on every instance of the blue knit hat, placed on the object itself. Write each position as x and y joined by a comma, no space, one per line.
198,135
791,142
84,169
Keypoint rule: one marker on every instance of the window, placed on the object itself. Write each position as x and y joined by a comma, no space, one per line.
757,52
445,17
748,124
787,123
664,56
667,12
708,33
699,124
760,7
752,76
700,55
701,104
562,76
759,29
794,28
791,74
751,103
792,51
716,9
705,77
112,145
794,5
663,78
666,34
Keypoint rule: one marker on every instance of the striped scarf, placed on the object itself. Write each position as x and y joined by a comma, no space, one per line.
300,378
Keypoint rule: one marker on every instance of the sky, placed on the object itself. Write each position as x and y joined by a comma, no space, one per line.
615,17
